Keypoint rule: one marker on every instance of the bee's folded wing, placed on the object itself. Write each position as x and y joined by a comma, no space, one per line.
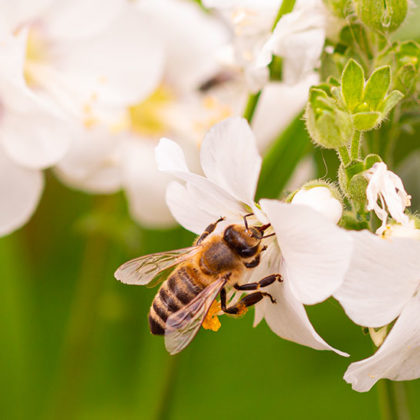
182,326
143,270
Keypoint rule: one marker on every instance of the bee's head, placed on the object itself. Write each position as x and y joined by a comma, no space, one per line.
244,241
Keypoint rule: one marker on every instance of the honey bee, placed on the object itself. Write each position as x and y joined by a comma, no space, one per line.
215,264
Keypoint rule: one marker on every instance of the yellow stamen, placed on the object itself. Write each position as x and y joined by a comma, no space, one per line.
36,52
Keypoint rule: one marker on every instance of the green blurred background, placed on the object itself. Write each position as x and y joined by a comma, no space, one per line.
75,344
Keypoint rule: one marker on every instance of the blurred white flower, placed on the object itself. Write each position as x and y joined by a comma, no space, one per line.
310,252
387,188
298,38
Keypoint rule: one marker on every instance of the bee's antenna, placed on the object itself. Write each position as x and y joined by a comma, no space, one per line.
246,221
267,236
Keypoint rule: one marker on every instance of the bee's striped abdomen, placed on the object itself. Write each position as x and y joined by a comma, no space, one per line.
182,287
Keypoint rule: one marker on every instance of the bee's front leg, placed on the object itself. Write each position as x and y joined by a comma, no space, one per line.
209,229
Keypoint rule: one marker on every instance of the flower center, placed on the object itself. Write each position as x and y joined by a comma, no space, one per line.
148,117
36,53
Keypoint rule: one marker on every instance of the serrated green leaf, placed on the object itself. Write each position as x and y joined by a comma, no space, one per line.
352,84
390,101
377,86
282,158
364,121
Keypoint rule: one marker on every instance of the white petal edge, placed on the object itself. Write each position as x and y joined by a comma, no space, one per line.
20,191
382,277
397,359
316,252
229,157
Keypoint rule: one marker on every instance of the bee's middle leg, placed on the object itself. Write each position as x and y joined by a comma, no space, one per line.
209,229
241,307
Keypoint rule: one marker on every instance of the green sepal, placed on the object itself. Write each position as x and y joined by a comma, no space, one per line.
364,121
350,222
352,84
377,86
390,101
371,159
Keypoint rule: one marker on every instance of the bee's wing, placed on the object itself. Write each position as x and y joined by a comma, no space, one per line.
182,326
143,270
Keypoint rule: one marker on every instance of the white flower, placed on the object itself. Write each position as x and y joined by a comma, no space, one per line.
386,188
383,283
320,199
309,251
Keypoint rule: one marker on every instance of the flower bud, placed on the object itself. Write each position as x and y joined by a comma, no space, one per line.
381,15
322,197
328,126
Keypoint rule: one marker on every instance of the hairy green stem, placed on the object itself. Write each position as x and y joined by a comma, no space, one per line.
343,153
393,400
251,105
355,145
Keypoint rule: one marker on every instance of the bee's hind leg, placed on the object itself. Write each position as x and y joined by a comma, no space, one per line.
209,229
242,306
266,281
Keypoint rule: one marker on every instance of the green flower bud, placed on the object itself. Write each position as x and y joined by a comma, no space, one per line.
357,191
381,15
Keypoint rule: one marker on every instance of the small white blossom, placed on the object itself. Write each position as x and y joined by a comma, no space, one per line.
386,194
322,200
309,251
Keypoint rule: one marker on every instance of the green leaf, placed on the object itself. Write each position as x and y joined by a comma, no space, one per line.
390,101
352,84
282,158
364,121
377,86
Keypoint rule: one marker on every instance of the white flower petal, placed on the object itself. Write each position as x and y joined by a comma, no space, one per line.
145,185
382,277
186,209
230,158
93,162
79,18
20,190
119,67
288,319
316,252
44,136
397,359
171,159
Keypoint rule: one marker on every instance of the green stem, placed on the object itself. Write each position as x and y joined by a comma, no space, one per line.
344,155
393,400
251,105
167,394
355,145
79,338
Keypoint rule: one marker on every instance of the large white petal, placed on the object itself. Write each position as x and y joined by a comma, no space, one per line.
382,277
316,252
397,359
119,67
171,159
145,186
20,190
32,132
230,158
79,18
